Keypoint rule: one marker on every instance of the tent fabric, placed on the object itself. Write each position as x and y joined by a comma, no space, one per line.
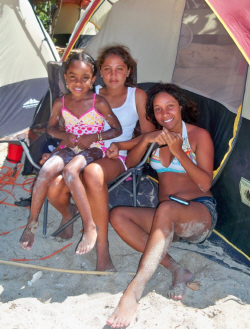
163,38
235,15
208,62
141,20
246,102
89,12
23,58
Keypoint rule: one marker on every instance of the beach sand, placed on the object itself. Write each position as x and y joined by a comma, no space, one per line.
60,299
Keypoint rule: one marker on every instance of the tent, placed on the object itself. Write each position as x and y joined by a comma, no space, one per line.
26,49
65,18
203,46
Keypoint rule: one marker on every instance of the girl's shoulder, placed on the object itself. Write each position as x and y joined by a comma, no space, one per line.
100,102
58,102
139,92
140,95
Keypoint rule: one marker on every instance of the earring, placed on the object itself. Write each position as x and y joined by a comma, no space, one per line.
67,86
91,87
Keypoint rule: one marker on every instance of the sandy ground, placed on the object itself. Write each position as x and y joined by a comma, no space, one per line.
59,299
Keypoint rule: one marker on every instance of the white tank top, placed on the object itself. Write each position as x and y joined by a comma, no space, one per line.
127,115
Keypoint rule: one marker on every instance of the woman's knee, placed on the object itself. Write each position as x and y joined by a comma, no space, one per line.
117,218
165,212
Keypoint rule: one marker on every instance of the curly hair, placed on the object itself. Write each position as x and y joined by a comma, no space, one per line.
81,56
124,53
189,110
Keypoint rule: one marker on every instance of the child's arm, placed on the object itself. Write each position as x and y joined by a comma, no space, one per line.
115,147
115,130
54,128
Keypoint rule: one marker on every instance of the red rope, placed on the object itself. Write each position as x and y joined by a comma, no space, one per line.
8,176
42,258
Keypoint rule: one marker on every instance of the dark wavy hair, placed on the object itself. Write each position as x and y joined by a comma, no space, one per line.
189,110
125,55
81,56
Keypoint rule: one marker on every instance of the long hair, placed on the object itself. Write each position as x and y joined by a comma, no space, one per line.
124,53
189,110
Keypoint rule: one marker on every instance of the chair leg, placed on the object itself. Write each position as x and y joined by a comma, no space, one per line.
134,189
66,225
45,216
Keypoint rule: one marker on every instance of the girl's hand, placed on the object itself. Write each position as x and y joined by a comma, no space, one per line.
70,140
113,151
174,141
44,158
85,141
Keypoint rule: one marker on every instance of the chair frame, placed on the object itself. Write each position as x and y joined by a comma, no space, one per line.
135,172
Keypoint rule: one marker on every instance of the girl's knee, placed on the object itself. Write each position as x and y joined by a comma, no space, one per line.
93,176
69,173
56,187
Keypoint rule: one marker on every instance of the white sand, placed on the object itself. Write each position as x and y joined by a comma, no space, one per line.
65,300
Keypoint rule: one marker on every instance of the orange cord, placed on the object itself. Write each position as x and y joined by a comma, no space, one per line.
42,258
8,176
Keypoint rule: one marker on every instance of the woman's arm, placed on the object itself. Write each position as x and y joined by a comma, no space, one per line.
140,100
136,153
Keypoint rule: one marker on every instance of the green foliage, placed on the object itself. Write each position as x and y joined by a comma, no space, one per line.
45,12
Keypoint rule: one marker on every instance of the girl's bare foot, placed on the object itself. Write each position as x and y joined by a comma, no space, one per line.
88,241
180,279
67,233
28,236
104,262
122,315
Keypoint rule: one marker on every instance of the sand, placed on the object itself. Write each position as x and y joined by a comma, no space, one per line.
59,299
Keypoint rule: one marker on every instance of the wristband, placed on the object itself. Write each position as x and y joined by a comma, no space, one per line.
99,137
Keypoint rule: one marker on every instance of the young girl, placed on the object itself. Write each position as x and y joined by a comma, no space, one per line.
82,138
128,103
184,165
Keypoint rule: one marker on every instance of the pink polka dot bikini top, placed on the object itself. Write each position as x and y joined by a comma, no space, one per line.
90,122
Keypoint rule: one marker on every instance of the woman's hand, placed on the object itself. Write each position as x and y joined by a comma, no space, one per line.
113,151
174,141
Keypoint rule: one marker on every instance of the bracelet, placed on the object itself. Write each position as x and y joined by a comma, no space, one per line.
99,137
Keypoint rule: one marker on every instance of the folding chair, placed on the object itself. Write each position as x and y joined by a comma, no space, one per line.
135,172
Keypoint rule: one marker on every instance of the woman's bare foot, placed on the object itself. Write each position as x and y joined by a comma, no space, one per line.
122,315
67,233
28,236
88,241
180,279
104,262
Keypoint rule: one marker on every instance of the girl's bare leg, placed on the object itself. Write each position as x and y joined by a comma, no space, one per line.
51,169
95,178
71,177
168,219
